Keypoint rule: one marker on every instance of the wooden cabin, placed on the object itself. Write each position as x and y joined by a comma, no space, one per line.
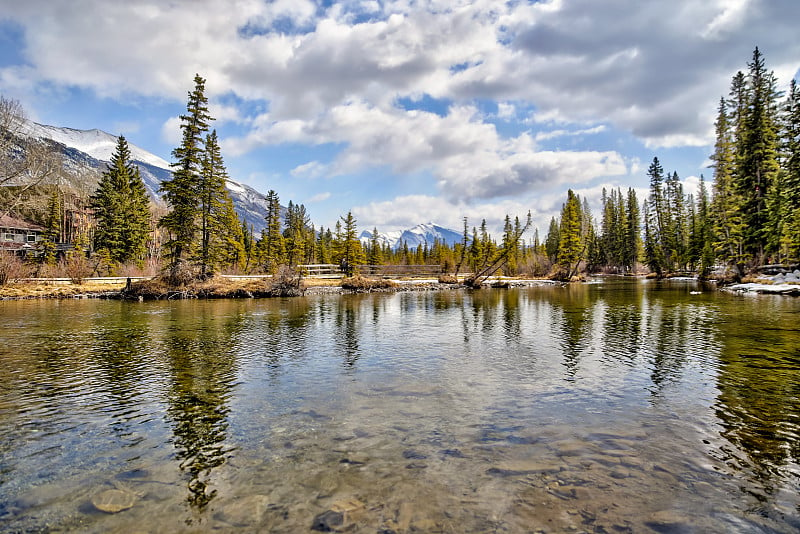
18,236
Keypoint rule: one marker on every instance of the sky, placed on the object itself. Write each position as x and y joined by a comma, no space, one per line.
405,111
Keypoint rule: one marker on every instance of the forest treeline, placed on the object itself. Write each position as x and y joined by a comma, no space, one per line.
749,216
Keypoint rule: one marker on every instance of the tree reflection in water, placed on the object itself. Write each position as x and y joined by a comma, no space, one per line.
200,345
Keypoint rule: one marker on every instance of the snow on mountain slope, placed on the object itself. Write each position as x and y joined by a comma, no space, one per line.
96,143
384,238
419,235
91,149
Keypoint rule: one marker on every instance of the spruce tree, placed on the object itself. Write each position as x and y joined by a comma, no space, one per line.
54,226
657,220
272,245
571,246
375,253
297,236
757,162
181,191
122,209
790,149
350,251
726,206
633,239
221,238
552,240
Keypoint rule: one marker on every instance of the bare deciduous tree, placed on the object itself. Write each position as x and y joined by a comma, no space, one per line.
24,160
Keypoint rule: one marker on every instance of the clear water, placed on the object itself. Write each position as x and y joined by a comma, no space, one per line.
620,406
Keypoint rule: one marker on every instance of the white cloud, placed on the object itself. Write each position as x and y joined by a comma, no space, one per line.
408,210
638,66
312,169
544,135
728,20
506,110
319,197
333,76
171,131
467,156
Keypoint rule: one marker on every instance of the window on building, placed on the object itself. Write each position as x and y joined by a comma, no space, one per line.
31,238
8,237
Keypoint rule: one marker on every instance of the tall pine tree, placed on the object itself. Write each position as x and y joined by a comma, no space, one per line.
122,209
181,191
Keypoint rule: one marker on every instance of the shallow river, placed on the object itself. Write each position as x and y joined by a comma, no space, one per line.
618,406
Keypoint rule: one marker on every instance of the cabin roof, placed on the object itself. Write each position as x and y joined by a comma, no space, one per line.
9,222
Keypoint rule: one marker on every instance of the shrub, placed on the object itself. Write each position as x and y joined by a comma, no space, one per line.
12,268
76,267
362,283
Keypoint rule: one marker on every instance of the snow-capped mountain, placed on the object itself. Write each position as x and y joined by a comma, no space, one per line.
414,237
86,153
96,143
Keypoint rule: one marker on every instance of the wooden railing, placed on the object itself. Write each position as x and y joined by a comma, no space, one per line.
322,269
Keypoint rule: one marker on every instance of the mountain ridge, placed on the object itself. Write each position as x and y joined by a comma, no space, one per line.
92,149
420,235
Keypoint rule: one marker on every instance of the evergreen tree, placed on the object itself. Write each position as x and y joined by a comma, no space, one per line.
789,240
297,236
221,237
657,221
375,253
53,228
552,240
757,162
181,191
571,245
726,206
272,246
352,252
122,209
633,240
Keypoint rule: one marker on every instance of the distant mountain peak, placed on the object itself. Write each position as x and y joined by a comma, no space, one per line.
417,236
96,143
93,148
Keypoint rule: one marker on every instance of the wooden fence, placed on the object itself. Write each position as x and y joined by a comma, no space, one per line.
323,269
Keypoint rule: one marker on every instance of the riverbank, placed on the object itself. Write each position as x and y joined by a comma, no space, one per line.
230,287
264,287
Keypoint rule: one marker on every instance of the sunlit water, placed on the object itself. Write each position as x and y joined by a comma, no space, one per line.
620,406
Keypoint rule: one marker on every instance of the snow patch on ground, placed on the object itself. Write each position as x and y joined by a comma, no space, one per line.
779,284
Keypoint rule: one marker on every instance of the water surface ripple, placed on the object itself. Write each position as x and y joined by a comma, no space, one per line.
618,406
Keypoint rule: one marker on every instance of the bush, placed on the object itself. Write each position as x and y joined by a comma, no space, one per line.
181,274
361,283
76,267
12,268
286,283
448,279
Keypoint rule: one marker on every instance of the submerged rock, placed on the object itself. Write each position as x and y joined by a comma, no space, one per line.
245,511
508,469
114,500
327,521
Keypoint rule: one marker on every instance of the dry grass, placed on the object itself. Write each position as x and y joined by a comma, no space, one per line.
321,282
282,285
362,283
22,290
448,279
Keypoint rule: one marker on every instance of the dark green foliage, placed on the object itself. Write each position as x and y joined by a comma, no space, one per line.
298,235
54,227
272,248
374,252
181,192
571,244
347,247
122,210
